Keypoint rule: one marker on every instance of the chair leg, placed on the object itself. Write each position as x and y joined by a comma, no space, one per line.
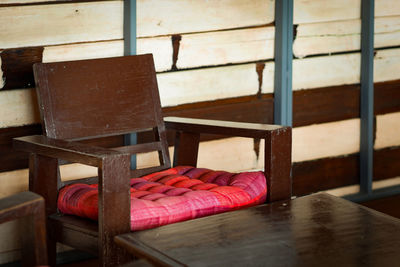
34,243
112,255
52,251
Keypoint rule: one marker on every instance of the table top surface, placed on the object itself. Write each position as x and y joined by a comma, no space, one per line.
316,230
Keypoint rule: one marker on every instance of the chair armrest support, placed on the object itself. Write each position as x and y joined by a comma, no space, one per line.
67,150
277,149
20,205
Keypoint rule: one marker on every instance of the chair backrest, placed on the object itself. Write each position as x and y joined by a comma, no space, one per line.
101,97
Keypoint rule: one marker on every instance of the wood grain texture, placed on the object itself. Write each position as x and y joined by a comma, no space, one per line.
17,66
387,8
306,11
224,47
160,47
341,36
62,23
326,71
323,174
387,65
240,109
175,17
307,231
328,173
190,86
326,104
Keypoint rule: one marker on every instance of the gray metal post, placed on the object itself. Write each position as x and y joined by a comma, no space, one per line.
367,96
130,49
283,62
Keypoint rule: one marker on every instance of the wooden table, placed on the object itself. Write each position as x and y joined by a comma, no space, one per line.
316,230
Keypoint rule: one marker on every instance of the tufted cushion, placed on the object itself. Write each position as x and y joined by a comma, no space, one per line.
173,195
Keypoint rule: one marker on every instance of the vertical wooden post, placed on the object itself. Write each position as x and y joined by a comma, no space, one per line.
278,164
186,148
45,171
114,208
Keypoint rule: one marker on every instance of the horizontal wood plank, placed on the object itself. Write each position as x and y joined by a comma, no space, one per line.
309,11
326,104
324,71
387,97
39,25
175,17
241,109
387,65
190,86
223,47
387,130
323,140
18,108
324,174
342,36
386,163
306,11
387,8
160,47
329,173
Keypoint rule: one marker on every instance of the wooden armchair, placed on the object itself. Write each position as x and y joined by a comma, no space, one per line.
29,207
98,98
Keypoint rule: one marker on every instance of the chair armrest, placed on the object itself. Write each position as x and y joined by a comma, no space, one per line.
20,205
277,148
240,129
29,207
67,150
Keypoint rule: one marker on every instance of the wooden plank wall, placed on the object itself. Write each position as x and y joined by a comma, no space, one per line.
214,60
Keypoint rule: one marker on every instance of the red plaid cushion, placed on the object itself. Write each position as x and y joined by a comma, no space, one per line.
173,195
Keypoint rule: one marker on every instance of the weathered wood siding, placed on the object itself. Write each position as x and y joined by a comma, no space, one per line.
214,59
